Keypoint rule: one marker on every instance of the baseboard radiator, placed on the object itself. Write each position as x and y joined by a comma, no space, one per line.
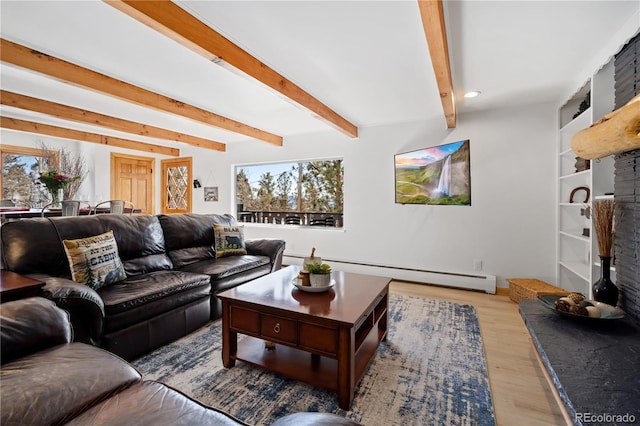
486,283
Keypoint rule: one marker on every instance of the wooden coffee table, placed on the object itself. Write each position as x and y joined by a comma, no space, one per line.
323,339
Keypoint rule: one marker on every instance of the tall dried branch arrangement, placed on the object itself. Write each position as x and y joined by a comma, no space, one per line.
70,164
602,212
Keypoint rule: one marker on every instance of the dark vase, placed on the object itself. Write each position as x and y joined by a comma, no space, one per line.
604,290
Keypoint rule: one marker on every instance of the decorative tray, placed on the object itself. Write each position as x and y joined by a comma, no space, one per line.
607,312
310,289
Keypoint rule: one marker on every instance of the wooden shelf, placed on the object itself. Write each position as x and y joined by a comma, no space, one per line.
368,349
290,362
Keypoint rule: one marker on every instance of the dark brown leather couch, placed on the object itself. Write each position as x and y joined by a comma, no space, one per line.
173,275
46,380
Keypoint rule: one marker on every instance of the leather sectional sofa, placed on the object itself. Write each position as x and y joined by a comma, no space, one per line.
46,380
172,274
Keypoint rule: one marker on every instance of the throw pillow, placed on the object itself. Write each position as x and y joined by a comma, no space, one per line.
229,240
94,261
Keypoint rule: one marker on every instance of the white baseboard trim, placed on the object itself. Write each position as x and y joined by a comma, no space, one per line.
486,283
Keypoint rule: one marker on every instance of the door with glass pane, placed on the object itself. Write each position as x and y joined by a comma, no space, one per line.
176,188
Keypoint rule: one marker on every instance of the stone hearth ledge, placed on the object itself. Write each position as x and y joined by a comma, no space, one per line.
594,365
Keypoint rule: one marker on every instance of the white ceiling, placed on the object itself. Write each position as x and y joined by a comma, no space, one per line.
367,60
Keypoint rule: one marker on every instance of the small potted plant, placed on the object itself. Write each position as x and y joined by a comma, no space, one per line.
319,274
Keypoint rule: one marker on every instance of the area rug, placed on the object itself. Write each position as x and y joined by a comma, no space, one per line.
430,371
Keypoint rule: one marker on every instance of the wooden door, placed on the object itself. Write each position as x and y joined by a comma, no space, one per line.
132,180
176,185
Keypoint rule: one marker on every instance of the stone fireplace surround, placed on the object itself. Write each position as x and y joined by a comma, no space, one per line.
627,188
627,231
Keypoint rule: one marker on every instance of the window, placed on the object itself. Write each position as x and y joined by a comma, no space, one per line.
295,193
21,168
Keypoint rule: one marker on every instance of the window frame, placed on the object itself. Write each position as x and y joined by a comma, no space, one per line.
339,224
25,151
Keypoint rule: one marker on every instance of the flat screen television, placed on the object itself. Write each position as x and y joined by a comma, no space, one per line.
437,175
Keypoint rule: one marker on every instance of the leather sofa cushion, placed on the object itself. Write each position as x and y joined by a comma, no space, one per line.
189,255
227,266
189,237
152,403
142,289
140,239
122,314
146,264
55,385
21,255
30,325
144,296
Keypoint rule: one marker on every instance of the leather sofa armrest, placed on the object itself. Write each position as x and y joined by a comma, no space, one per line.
30,325
84,305
271,247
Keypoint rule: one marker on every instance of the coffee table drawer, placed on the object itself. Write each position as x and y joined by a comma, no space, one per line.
323,339
245,320
278,328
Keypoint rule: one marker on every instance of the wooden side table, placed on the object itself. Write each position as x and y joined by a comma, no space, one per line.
15,286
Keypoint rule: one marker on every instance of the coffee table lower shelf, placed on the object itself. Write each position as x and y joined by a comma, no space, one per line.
313,369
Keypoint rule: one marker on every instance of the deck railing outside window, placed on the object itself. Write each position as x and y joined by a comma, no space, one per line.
333,220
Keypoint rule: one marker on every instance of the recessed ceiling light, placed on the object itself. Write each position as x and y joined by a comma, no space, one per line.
473,94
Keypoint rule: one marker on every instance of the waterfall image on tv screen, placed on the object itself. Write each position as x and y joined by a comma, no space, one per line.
436,175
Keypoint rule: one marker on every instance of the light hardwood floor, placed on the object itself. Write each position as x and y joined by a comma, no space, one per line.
521,395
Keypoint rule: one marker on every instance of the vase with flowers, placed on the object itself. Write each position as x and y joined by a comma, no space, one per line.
56,182
604,290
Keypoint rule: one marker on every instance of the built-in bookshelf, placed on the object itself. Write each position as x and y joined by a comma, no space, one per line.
578,262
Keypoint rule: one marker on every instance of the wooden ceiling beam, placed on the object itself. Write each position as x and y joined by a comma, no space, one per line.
60,132
432,14
174,22
33,60
88,117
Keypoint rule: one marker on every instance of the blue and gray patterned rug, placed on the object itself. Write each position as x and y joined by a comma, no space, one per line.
430,371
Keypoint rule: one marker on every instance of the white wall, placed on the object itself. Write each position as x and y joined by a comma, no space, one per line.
509,226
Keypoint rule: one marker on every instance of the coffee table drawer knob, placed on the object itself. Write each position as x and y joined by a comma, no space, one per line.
283,330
